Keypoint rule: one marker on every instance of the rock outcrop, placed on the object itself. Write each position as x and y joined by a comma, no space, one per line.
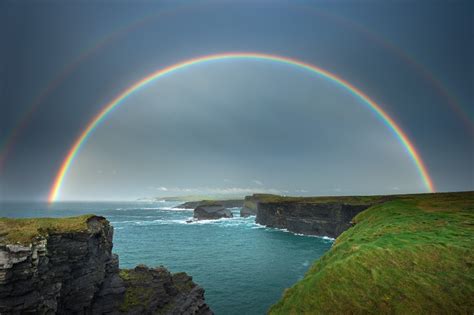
211,212
310,218
69,268
250,206
225,203
156,290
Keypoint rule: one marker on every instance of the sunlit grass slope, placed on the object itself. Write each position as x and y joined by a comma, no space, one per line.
410,255
24,231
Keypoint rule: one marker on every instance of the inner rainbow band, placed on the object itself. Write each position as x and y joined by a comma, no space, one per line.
387,120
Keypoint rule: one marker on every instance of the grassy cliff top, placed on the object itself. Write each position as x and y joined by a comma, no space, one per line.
269,198
410,255
24,231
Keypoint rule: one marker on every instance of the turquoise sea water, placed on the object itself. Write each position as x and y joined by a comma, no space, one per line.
243,267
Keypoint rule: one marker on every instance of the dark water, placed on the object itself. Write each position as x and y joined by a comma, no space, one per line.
243,267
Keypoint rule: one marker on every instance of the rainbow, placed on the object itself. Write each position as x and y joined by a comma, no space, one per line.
388,121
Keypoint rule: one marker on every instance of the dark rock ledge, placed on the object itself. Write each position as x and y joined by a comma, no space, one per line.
309,218
67,267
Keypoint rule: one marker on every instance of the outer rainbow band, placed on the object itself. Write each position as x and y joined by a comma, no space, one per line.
402,137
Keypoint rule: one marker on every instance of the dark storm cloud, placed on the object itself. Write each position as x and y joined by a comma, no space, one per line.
40,39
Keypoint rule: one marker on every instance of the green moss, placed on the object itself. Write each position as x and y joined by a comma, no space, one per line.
136,293
411,255
165,310
131,275
183,282
209,203
24,231
125,274
136,296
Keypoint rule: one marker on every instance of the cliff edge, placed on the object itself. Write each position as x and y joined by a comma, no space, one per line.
321,216
66,266
231,203
412,254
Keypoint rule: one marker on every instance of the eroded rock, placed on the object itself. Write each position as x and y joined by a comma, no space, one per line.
211,212
76,273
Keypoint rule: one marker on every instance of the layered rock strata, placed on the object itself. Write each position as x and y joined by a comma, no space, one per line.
310,218
75,272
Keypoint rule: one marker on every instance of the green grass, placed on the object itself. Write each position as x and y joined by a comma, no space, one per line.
181,283
24,231
411,255
268,198
136,296
209,203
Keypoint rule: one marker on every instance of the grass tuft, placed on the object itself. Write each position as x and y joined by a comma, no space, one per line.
24,231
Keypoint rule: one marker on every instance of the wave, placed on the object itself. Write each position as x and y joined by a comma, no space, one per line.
248,222
213,221
150,208
174,209
294,233
327,238
136,208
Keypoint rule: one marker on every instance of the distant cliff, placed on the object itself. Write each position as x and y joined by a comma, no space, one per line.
66,266
323,216
235,203
323,219
251,203
250,206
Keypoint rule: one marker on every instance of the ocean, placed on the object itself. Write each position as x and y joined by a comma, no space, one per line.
244,267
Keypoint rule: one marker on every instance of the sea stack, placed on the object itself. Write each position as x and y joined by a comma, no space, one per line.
211,212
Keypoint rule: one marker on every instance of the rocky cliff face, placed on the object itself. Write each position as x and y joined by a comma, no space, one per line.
157,291
323,219
75,272
250,205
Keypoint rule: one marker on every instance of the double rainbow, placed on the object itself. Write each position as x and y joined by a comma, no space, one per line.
387,120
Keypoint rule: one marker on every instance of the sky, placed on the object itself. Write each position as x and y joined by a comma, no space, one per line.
234,126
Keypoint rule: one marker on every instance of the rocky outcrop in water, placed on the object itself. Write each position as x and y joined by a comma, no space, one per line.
211,212
74,272
310,218
225,203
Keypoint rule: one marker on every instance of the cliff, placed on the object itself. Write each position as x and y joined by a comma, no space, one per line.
250,206
251,203
225,203
323,219
66,266
323,216
411,254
